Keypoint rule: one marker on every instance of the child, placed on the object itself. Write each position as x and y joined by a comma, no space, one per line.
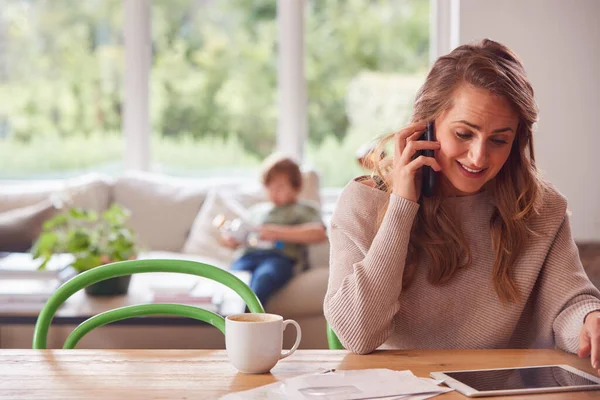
285,223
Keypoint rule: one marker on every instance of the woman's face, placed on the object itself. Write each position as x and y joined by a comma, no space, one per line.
476,135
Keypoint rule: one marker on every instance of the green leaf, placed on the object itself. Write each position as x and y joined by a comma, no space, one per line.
116,215
46,260
86,262
92,216
77,213
78,240
47,242
83,215
122,241
57,221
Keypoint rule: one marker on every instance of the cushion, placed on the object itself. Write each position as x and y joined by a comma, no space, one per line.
251,193
310,187
162,207
204,238
169,255
303,295
318,255
91,191
20,227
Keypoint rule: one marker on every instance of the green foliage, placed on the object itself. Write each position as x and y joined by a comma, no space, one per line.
63,67
213,78
92,239
179,155
55,154
347,37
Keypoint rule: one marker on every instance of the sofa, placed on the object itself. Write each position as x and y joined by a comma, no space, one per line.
173,217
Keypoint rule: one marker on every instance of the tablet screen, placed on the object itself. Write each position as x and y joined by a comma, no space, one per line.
521,378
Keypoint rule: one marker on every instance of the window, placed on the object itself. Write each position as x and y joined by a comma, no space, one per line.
213,86
61,64
365,60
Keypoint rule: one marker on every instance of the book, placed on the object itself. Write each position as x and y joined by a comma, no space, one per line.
25,295
24,290
24,266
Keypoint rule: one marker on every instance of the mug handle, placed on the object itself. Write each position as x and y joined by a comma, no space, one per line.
298,337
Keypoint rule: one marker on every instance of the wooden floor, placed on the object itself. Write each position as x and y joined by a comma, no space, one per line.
590,258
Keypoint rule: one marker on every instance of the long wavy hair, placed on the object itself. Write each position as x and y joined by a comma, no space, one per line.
516,190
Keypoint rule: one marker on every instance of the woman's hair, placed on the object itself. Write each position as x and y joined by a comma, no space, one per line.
277,164
516,190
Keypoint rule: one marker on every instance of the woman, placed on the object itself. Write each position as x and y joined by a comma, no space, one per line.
488,261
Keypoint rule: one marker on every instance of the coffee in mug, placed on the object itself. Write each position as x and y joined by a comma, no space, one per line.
254,341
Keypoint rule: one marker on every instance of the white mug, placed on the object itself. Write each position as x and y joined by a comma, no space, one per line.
254,341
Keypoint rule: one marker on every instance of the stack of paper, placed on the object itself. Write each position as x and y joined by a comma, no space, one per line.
24,288
24,266
25,294
348,385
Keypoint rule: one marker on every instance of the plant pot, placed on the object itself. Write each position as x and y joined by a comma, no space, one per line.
109,287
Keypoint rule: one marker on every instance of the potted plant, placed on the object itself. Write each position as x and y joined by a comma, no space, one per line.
93,240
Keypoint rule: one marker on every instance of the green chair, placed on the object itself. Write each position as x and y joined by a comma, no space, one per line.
332,340
107,271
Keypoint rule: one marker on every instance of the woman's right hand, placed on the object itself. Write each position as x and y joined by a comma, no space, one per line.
406,176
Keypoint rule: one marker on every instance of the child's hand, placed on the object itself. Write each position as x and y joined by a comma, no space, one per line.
229,242
269,232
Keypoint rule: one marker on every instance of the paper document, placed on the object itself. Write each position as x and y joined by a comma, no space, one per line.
347,385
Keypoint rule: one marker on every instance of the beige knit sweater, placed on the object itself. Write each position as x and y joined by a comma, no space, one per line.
367,308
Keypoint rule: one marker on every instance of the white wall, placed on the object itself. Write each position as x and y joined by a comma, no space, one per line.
559,43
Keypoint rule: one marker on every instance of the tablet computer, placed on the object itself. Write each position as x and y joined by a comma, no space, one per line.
522,380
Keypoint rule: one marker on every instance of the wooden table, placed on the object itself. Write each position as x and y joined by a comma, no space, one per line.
206,374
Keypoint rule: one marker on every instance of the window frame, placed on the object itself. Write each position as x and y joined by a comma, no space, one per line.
292,129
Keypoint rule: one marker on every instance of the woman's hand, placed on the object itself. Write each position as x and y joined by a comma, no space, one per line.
589,339
406,168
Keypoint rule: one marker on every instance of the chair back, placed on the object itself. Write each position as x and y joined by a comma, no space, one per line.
332,340
123,268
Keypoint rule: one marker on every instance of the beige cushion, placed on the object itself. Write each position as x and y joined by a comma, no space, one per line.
162,208
204,238
169,255
20,227
318,255
303,295
310,187
92,191
249,193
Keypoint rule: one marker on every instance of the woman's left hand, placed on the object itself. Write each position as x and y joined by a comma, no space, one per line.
589,339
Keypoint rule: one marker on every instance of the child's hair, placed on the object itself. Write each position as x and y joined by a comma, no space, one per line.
279,164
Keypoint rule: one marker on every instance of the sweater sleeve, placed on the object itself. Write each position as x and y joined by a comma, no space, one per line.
566,293
366,266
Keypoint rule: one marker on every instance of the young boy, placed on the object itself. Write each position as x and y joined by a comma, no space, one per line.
285,223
